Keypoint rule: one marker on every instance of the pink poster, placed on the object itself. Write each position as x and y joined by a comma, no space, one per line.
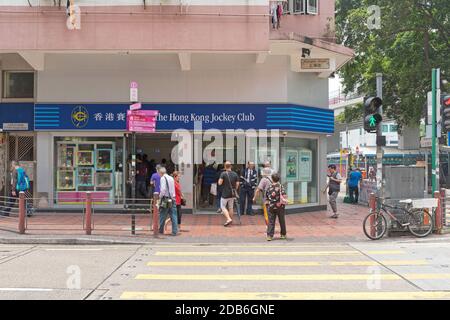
143,121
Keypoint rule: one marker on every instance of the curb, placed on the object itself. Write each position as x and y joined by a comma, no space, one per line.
70,241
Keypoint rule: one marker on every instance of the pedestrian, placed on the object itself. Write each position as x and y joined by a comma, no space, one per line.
276,197
141,178
353,185
273,15
167,205
249,180
262,188
179,196
220,170
333,186
155,181
19,183
279,14
230,182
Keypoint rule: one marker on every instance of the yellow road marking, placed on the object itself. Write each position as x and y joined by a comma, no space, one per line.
419,295
282,263
266,277
272,253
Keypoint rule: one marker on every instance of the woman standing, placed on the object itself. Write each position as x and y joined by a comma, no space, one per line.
276,197
178,196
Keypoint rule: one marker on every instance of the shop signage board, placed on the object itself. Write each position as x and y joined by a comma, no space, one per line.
136,106
316,64
15,126
113,117
143,121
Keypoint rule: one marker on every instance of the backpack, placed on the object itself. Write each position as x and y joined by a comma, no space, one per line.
23,182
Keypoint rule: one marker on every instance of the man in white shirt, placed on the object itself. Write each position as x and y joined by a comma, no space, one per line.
167,201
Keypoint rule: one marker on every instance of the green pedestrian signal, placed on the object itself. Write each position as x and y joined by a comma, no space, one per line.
372,116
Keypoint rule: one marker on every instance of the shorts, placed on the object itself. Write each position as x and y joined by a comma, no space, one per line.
226,203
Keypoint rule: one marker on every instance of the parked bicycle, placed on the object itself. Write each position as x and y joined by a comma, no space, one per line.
418,221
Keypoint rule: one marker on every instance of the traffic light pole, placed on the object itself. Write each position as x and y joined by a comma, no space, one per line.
435,84
380,187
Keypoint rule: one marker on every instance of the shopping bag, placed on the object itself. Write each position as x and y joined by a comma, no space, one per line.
213,189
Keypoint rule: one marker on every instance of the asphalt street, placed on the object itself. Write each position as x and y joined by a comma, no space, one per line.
279,270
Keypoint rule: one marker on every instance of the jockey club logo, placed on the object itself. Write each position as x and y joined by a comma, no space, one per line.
80,117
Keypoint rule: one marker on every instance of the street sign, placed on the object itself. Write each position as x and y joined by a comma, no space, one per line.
143,121
425,142
134,91
135,106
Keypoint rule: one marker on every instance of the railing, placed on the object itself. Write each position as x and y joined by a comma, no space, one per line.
338,96
17,215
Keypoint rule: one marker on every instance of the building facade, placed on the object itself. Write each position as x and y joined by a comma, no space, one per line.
223,66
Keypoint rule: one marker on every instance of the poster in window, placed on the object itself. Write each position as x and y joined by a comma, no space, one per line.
85,158
305,165
66,156
291,165
85,177
104,161
66,179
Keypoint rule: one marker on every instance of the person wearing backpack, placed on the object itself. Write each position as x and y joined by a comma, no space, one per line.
276,197
19,182
263,186
167,202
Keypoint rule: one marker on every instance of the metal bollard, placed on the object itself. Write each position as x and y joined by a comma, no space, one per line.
438,213
88,213
133,224
22,212
155,215
372,206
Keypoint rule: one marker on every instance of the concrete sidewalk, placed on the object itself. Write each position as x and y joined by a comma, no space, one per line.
304,227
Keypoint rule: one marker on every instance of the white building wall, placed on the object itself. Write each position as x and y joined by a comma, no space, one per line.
214,78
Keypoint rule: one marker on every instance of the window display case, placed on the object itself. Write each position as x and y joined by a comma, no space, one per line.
85,177
103,180
104,160
85,158
66,156
66,180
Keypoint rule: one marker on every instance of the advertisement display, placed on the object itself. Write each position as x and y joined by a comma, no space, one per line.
305,167
292,165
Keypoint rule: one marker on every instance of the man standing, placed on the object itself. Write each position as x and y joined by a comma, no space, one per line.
249,180
155,180
19,182
167,204
333,186
230,182
353,185
263,186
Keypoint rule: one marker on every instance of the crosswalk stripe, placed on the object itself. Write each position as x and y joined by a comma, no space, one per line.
285,295
282,263
273,253
267,277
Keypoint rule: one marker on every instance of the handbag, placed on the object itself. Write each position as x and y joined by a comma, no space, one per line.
183,202
166,201
213,189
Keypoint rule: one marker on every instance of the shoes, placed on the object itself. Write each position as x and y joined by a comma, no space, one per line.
283,237
219,211
269,238
335,216
228,223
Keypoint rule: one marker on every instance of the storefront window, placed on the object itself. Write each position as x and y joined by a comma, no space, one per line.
88,164
299,170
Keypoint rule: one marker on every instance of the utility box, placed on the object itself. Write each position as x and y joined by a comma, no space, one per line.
402,182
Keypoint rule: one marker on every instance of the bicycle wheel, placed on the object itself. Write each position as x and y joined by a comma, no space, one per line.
420,222
375,226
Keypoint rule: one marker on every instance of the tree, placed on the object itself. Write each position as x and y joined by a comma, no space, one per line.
351,114
413,38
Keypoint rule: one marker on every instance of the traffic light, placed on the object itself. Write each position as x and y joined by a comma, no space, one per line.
372,116
445,112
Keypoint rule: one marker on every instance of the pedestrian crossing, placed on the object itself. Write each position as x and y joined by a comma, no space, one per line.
279,272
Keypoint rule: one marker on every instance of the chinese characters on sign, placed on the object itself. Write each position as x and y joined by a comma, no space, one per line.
109,116
315,63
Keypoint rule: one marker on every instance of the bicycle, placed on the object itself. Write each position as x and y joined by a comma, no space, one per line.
418,221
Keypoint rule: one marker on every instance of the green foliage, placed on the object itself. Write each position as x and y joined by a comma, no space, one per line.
351,114
414,38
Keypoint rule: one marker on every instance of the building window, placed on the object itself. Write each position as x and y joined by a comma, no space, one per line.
313,6
18,85
298,167
299,6
305,6
394,128
384,128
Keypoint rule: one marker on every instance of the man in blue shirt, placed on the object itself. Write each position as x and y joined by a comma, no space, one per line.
155,181
353,185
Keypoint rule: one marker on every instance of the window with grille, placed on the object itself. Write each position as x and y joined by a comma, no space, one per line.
18,85
304,6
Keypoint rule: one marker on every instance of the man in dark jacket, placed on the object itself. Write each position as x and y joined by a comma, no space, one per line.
248,182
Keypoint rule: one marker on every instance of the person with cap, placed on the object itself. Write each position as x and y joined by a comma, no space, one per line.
263,186
333,186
